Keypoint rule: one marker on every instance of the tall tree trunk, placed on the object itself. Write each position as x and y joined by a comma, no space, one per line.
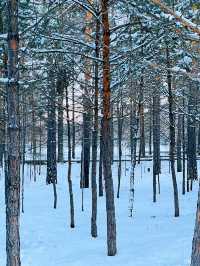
82,180
3,129
191,136
51,138
199,139
183,147
60,90
179,140
2,132
13,140
134,127
156,137
195,260
172,134
95,137
87,103
73,123
33,135
112,133
100,163
86,143
141,107
24,111
119,122
40,143
150,128
72,223
131,129
110,205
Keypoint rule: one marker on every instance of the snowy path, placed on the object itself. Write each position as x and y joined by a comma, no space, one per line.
153,238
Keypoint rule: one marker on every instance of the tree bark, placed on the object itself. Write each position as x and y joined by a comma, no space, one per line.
119,122
199,139
73,124
141,110
24,111
51,138
179,140
100,164
172,134
156,137
112,133
60,91
72,223
86,142
13,140
195,260
183,146
191,136
150,128
134,128
33,134
95,137
110,205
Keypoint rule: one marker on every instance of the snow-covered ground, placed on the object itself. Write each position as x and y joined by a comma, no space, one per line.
153,237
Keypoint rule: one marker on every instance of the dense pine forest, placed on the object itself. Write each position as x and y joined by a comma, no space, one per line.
99,132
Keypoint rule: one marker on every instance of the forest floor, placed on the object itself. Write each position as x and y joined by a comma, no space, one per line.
153,237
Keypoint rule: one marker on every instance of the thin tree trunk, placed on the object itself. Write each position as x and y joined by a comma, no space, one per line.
195,260
191,136
51,138
135,127
172,134
119,120
131,129
13,140
86,142
33,135
2,133
199,139
100,164
23,146
82,180
110,205
73,124
72,223
95,137
60,90
87,103
156,137
183,147
112,133
141,107
150,129
40,144
178,149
